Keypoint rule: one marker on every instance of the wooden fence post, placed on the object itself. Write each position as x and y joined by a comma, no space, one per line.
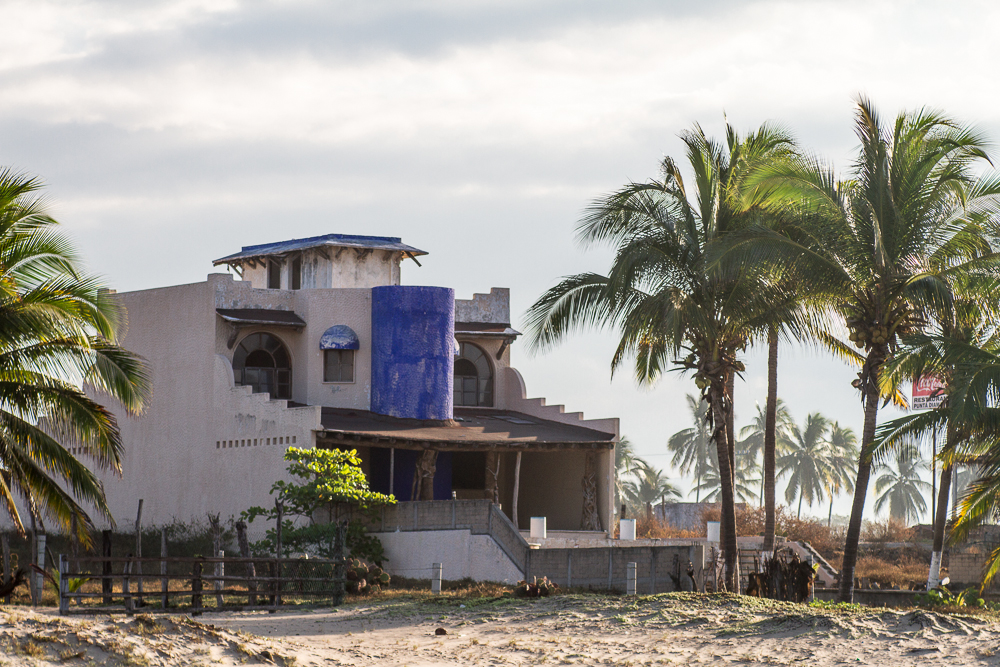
138,553
339,581
279,505
164,582
129,604
251,571
5,541
196,589
106,567
220,577
40,585
63,586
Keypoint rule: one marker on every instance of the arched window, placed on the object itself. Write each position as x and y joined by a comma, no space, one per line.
262,362
473,377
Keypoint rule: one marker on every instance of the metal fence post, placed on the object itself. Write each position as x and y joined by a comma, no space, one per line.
630,578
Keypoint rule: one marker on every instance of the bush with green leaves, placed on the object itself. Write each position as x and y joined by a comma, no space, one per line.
942,597
329,485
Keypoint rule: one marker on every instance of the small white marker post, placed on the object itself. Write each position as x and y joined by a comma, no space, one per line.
630,578
436,570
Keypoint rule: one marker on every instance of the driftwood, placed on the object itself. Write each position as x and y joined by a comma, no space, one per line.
779,579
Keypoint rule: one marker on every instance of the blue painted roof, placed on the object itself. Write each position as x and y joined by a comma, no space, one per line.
335,240
339,337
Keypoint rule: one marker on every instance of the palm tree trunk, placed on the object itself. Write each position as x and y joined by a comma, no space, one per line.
731,422
940,519
770,425
728,508
798,515
846,592
829,519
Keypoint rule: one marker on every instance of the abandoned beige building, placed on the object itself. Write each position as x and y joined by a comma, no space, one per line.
317,343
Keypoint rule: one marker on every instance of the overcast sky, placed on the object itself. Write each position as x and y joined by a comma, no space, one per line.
173,133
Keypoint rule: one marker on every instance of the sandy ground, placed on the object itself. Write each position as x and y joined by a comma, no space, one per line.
674,628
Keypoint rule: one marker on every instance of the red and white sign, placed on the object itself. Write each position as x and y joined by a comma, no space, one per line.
928,393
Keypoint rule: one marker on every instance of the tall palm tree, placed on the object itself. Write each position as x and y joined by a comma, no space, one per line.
943,351
647,485
625,463
900,487
754,435
807,461
58,349
882,249
692,447
745,484
663,294
843,454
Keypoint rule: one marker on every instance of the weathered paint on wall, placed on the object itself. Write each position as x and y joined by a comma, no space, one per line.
334,268
492,308
413,360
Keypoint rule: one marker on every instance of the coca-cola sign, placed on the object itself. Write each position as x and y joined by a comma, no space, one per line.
928,393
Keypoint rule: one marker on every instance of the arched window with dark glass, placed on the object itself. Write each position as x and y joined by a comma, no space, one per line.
262,362
473,377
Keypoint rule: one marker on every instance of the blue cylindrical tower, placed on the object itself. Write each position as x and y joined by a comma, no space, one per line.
413,355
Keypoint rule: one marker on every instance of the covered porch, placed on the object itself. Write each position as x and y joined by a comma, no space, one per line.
526,465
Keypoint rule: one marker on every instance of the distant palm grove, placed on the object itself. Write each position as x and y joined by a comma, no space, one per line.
892,266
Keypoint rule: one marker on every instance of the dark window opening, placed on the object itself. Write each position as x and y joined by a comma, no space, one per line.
261,361
338,365
273,274
468,471
473,377
296,277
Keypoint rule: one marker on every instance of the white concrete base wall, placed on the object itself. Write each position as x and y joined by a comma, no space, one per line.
462,554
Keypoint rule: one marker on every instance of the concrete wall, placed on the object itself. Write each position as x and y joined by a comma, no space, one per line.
461,554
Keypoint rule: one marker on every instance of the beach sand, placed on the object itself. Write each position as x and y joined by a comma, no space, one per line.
675,628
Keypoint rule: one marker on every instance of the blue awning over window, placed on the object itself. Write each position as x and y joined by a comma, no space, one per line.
339,337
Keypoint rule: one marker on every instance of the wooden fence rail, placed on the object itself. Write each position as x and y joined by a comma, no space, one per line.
242,583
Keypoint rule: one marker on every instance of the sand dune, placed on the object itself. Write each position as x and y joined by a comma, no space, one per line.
674,628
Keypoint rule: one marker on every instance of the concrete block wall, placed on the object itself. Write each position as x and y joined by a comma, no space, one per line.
604,567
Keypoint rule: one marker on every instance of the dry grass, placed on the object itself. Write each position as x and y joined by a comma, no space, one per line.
905,573
646,528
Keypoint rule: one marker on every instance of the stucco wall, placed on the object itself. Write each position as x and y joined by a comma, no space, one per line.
491,308
334,267
461,554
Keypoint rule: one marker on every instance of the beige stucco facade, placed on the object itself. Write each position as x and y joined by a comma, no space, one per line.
208,445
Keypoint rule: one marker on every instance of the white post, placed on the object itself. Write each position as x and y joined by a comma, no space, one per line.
630,578
220,572
436,571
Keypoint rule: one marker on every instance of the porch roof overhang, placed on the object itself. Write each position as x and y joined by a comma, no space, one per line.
472,430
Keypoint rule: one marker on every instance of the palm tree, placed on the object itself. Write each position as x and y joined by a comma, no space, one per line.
692,447
944,351
900,486
625,463
843,453
647,486
58,333
745,484
807,461
754,435
663,294
882,250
